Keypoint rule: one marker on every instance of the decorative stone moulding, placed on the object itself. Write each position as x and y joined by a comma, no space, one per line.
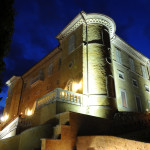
12,79
131,51
93,18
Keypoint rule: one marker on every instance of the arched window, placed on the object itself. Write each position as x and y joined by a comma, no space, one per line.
70,85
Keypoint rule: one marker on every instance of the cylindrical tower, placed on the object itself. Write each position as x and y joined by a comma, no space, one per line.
98,83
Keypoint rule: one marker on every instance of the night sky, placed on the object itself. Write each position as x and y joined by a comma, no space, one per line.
37,22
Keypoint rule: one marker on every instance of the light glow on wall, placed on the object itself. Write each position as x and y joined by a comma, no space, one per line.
147,110
4,118
76,86
10,129
28,112
62,93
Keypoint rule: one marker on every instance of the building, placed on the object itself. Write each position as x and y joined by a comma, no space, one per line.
92,72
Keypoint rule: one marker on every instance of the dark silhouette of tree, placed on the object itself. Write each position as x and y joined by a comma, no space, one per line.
6,30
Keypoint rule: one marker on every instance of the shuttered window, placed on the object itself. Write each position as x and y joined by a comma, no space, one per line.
144,71
149,105
118,56
123,98
132,66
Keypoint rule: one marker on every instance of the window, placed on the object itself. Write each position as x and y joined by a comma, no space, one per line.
59,63
123,98
105,37
25,84
118,56
36,79
50,69
41,75
138,104
70,64
71,44
132,66
69,85
134,82
147,88
149,105
121,75
144,71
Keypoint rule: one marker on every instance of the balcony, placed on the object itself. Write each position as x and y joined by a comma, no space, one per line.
59,95
36,80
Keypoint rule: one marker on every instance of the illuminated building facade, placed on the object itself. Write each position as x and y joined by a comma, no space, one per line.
92,71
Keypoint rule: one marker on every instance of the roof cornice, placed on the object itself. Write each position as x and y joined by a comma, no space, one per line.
121,44
92,18
42,61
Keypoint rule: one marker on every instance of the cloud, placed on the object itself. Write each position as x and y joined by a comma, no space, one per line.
4,95
16,64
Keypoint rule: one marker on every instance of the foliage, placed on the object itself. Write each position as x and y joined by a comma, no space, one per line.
6,30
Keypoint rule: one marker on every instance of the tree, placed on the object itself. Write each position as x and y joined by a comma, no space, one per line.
6,31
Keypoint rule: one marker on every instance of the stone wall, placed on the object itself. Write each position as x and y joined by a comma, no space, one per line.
44,114
109,143
27,140
10,143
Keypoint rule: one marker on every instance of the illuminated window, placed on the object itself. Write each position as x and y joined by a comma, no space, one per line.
134,82
118,56
147,88
132,66
144,71
71,44
50,69
123,98
121,75
138,103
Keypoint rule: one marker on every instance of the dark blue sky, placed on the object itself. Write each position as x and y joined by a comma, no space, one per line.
37,22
